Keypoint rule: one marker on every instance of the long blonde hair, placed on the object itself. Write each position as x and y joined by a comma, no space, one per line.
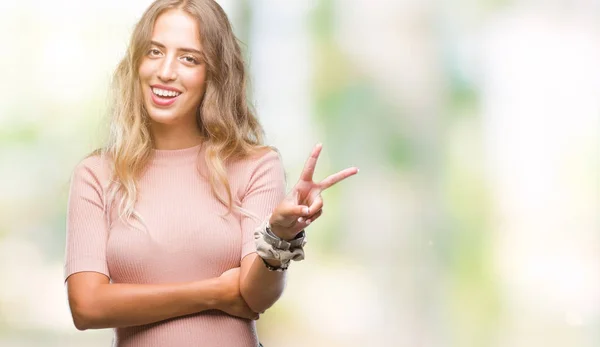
225,120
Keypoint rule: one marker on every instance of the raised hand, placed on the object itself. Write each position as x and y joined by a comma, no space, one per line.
304,204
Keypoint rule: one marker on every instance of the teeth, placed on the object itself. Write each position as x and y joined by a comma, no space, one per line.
162,92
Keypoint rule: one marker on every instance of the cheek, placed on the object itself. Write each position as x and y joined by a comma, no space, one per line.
195,81
145,71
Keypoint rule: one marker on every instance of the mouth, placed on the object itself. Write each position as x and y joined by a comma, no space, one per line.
164,97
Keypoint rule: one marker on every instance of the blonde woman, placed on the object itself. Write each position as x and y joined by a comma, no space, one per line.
179,231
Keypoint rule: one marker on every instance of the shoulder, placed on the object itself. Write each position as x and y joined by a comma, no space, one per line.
263,163
96,168
263,159
265,154
260,156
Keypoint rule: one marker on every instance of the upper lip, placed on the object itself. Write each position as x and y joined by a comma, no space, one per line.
163,87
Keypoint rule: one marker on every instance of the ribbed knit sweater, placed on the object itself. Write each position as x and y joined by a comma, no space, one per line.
185,236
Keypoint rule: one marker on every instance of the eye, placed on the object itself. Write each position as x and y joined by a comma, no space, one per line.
190,59
153,52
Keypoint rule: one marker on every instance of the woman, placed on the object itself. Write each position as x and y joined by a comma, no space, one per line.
179,231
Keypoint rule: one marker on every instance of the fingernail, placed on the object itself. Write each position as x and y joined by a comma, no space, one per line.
300,220
308,222
305,210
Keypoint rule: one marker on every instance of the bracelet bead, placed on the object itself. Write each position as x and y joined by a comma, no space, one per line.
282,268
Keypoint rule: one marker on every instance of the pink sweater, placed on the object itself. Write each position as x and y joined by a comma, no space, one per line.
186,237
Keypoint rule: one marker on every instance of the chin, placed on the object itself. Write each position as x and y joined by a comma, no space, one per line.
167,117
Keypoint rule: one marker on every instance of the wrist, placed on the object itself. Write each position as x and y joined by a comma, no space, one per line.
278,231
273,262
281,232
275,251
208,294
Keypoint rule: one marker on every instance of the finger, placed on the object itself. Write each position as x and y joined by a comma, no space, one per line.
287,221
316,205
335,178
294,211
311,163
249,314
312,218
290,207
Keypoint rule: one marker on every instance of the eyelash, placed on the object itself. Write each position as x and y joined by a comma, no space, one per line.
189,59
193,60
152,50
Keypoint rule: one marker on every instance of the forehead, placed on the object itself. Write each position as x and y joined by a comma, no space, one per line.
177,29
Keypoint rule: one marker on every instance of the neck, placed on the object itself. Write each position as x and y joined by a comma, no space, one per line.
173,137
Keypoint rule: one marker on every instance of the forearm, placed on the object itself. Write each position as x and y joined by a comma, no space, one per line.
122,305
260,287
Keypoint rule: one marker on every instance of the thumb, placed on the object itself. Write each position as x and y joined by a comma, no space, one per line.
291,211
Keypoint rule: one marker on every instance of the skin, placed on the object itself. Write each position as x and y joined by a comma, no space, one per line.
174,60
96,303
303,205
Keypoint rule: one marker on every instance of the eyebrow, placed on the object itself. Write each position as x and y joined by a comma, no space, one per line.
183,49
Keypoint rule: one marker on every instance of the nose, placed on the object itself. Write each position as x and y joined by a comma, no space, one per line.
166,71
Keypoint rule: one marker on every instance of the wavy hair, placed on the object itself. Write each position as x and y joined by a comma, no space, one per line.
227,124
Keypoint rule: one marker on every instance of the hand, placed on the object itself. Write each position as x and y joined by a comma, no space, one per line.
230,298
304,204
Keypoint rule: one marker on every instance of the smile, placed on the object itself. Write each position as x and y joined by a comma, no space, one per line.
165,93
163,97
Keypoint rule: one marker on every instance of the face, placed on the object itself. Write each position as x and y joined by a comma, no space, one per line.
172,73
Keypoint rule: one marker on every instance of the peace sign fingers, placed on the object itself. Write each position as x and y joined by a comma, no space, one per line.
311,163
304,204
336,177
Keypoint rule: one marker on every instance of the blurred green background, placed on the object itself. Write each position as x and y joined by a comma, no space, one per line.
476,125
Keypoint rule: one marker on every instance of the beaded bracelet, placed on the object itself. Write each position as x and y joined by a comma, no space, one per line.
282,268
